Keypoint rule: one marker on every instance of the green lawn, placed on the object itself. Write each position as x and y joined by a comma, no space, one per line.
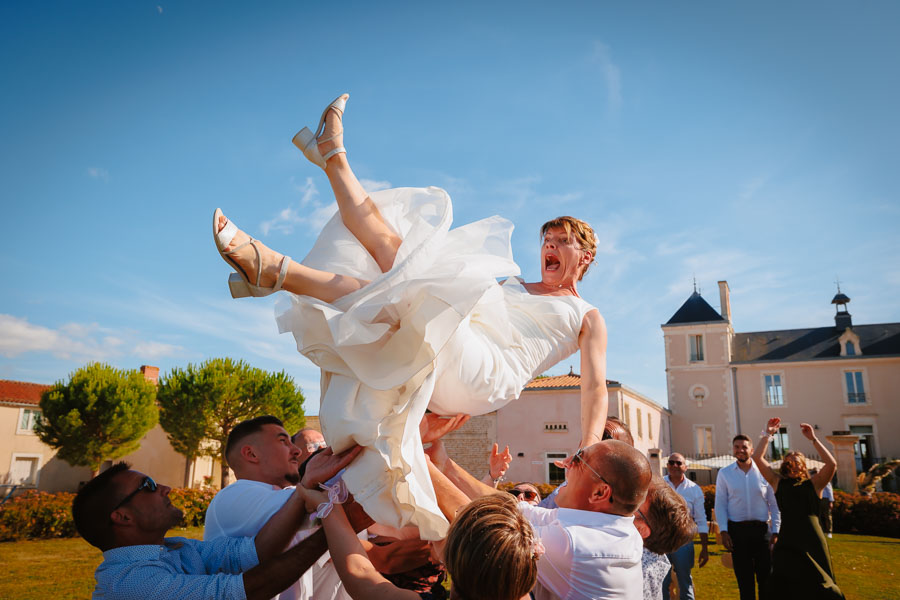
867,568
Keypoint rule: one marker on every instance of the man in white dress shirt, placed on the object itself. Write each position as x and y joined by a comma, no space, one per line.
746,512
683,559
593,549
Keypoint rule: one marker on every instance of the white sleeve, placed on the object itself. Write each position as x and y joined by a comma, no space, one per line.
698,510
243,510
537,515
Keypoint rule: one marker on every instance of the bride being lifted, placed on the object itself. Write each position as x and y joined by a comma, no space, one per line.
401,314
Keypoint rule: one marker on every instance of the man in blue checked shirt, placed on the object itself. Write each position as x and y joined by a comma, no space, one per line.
683,559
126,514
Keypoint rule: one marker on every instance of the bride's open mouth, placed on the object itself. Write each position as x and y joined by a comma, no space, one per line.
551,263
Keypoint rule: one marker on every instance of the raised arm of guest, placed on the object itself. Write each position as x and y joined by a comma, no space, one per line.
759,453
820,479
359,576
459,477
498,463
594,397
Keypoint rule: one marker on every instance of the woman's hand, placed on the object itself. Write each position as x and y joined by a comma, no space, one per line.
772,425
499,462
311,498
807,431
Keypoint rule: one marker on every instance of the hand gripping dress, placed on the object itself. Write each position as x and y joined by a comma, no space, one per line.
436,331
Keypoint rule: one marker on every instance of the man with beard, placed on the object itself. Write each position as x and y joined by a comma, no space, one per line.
266,462
747,513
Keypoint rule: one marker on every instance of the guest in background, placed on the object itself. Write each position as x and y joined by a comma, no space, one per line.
801,563
748,517
526,492
682,559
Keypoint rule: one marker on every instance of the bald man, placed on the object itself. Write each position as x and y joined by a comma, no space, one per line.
683,559
593,549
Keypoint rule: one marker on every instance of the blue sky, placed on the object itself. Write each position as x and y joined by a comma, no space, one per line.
753,142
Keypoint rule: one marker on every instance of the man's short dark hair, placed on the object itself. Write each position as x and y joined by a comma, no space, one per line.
742,436
93,505
246,428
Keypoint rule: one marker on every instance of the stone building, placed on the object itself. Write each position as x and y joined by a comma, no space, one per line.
843,378
544,425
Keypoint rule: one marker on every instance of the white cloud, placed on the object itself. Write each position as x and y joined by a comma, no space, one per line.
371,185
74,341
310,212
98,173
611,73
154,350
749,189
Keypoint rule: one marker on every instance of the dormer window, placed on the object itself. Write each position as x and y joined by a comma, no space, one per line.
849,343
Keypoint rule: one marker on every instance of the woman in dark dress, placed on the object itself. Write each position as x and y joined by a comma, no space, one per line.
801,562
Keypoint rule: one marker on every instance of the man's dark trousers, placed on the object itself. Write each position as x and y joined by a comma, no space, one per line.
750,556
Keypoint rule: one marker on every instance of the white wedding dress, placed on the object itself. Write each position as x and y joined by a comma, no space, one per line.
436,331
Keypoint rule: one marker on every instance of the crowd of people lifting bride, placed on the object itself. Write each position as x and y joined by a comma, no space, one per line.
412,331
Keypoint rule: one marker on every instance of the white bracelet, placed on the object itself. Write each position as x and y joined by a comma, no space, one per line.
766,434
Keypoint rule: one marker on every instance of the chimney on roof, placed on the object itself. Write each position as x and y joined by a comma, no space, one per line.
150,373
725,300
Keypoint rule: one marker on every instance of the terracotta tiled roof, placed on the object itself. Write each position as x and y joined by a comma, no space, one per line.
572,380
21,392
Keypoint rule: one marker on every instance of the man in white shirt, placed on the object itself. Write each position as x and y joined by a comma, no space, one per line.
593,549
683,559
266,462
746,512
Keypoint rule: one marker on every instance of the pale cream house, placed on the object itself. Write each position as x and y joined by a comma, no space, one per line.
28,463
841,378
544,425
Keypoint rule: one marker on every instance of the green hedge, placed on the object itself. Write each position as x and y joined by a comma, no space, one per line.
40,515
874,514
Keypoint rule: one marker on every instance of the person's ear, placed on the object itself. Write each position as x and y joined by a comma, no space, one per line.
601,497
248,454
586,257
642,527
121,518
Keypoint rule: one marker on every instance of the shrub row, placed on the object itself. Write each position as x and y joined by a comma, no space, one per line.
874,514
40,515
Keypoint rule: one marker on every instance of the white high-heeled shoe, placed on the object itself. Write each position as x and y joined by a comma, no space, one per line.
308,142
238,282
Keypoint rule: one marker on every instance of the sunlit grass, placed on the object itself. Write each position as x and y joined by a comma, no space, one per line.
867,568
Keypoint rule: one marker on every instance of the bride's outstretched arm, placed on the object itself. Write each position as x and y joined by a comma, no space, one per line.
594,397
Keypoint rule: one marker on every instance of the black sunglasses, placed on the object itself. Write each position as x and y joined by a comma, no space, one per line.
675,463
579,456
146,484
529,495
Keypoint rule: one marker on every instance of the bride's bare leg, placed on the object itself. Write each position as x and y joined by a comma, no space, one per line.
300,279
358,213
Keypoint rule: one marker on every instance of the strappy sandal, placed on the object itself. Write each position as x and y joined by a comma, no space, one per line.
239,282
308,142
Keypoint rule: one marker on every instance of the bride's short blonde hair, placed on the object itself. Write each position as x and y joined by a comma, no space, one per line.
580,230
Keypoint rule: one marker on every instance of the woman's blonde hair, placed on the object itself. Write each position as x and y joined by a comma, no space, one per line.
794,469
581,231
491,552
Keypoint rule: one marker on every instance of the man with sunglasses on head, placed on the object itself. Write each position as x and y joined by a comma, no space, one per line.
126,514
683,559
